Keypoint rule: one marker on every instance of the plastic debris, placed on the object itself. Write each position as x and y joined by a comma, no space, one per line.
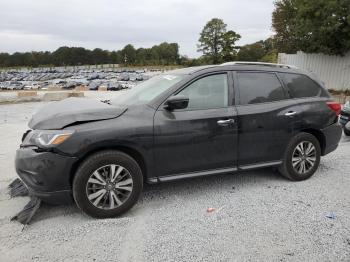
331,215
210,210
27,213
18,188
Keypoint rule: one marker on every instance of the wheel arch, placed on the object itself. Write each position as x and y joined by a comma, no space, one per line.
319,136
132,152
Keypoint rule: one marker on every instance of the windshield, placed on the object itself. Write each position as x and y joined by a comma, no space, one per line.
148,90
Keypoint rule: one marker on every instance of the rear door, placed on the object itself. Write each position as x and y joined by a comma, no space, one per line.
202,137
267,119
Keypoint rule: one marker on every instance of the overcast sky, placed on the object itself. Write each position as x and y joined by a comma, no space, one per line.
35,25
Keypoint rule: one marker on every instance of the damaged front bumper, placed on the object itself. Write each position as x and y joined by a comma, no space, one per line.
46,174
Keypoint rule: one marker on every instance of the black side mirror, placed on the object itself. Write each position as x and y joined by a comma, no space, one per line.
176,102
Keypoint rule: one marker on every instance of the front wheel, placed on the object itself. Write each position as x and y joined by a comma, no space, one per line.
107,184
301,158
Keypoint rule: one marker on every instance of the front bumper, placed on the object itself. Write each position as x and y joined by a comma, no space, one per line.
46,174
332,135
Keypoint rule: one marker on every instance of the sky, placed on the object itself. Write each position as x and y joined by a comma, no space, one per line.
45,25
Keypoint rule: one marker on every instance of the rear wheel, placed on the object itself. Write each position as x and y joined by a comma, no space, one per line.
107,184
301,158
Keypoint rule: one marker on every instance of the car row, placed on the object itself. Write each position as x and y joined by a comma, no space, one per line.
31,80
38,75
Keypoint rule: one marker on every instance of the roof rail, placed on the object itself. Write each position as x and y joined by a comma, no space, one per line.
258,63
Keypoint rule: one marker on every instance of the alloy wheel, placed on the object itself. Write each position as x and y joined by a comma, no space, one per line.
304,157
109,186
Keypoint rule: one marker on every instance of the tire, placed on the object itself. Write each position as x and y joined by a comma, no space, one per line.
346,131
294,148
124,191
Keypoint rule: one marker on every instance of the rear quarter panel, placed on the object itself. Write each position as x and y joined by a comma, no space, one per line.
315,114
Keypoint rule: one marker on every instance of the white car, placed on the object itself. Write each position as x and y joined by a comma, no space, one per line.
31,86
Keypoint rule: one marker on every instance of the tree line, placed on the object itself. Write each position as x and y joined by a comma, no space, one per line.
162,54
312,26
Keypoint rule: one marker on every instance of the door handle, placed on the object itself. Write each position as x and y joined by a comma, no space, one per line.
290,113
225,122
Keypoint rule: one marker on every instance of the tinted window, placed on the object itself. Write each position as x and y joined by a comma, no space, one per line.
300,85
207,92
259,88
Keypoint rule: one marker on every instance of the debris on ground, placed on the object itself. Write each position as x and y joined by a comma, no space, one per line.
232,189
331,215
210,210
27,213
18,188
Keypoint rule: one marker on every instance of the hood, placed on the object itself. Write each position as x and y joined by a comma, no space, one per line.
58,115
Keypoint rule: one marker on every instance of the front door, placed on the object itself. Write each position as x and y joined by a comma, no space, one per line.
202,137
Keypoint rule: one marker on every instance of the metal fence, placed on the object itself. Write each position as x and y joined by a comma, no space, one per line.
334,71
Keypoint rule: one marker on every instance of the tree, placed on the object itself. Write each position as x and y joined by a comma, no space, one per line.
162,54
313,26
229,50
211,39
324,26
284,23
129,54
252,52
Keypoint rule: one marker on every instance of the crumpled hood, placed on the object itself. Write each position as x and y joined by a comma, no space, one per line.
59,114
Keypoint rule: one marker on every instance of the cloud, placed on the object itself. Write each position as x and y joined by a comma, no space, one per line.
110,24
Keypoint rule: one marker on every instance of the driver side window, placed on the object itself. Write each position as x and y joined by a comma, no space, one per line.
207,92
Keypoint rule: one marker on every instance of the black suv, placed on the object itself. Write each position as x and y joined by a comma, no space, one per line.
184,123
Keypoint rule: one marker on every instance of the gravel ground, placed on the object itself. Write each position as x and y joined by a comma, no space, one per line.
259,216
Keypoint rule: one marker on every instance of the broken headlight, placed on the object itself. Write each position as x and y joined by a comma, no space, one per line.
46,138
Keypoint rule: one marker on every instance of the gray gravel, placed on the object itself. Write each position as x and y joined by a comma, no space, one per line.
259,216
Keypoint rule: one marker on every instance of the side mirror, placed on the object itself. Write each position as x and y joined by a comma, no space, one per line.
176,102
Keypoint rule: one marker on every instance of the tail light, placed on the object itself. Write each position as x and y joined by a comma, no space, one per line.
335,107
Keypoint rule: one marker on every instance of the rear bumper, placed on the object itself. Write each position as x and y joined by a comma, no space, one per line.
332,135
46,174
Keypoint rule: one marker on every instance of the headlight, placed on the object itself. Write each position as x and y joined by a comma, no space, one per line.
46,138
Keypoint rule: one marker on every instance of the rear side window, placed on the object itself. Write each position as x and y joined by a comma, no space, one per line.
300,85
259,88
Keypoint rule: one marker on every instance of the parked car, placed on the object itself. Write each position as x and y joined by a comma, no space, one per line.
71,85
344,119
186,123
139,77
32,86
3,85
94,85
93,77
113,86
125,77
14,85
